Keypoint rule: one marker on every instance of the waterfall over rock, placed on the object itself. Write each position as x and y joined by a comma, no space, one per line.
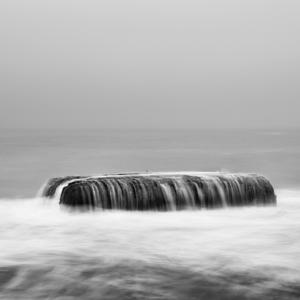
162,191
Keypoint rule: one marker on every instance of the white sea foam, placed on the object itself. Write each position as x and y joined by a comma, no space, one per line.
262,242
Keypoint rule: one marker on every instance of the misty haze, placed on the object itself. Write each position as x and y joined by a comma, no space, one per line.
149,149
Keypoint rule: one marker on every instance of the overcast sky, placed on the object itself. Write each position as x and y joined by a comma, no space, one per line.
149,63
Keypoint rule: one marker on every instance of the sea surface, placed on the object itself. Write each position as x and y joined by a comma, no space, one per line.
49,252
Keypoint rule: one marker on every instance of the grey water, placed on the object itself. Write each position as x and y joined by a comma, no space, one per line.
48,252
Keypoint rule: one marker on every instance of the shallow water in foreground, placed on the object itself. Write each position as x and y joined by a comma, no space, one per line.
238,253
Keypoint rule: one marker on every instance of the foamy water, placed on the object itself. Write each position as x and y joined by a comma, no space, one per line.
48,252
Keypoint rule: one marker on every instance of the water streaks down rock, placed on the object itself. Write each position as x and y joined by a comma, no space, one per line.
162,191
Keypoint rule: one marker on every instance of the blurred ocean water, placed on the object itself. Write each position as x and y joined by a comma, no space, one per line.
240,253
29,157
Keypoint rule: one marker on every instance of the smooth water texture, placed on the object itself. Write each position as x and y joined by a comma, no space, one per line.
240,253
29,158
48,252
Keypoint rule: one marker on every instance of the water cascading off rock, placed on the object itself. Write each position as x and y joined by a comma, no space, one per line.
162,191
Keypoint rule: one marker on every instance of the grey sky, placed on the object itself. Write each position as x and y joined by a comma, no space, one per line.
149,63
